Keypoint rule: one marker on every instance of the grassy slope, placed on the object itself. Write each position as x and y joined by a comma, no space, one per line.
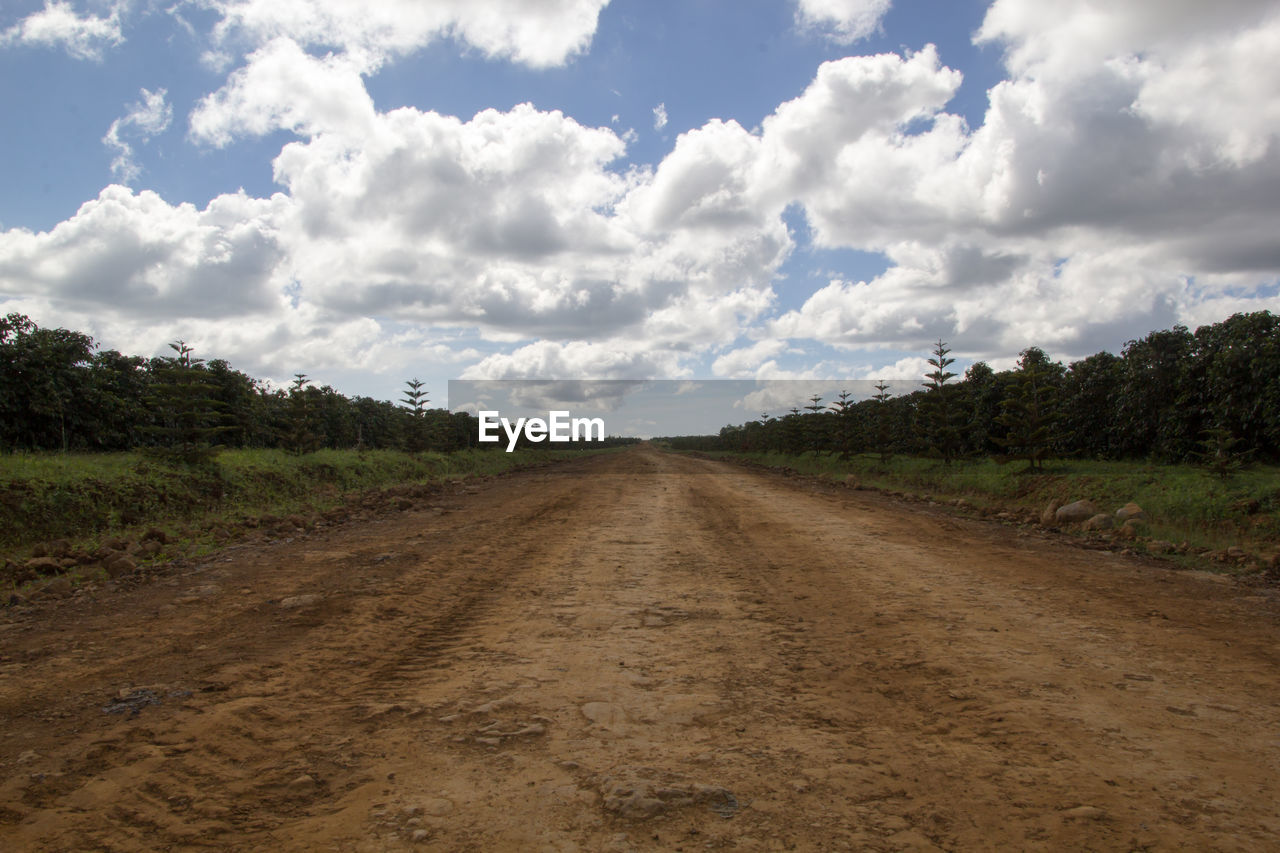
85,497
1184,503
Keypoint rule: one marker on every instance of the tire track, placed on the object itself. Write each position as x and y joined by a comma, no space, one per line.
264,737
646,651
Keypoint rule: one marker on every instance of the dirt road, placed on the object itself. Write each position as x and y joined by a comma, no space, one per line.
643,651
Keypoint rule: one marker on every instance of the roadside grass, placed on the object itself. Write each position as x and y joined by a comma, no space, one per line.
86,498
1185,503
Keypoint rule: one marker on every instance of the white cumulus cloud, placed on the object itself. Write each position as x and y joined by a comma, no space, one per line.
748,362
283,87
136,254
575,359
543,34
844,21
514,226
1123,178
58,24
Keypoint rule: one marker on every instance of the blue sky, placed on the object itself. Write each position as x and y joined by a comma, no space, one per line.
634,188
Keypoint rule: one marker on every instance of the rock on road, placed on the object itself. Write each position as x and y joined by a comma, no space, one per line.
644,651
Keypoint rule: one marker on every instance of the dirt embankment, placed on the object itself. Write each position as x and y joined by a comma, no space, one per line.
644,651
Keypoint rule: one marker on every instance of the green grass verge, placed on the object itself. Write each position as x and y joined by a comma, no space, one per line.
1184,502
83,497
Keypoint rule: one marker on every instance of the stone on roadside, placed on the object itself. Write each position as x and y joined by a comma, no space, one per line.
304,600
1138,524
1049,517
17,573
1101,521
119,566
1076,512
1160,546
56,588
43,565
1130,511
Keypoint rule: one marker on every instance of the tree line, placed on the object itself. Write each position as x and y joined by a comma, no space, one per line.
1212,395
58,391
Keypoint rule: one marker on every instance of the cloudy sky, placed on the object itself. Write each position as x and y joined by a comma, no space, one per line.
673,189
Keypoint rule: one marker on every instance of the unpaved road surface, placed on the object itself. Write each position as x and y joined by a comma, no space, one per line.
641,651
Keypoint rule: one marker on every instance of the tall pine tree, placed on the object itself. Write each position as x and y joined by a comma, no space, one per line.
883,434
846,432
300,437
188,415
941,410
417,434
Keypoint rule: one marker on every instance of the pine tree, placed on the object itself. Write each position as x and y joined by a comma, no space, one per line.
770,436
883,427
1029,411
188,415
1218,454
299,437
417,434
846,427
815,426
415,399
941,412
793,438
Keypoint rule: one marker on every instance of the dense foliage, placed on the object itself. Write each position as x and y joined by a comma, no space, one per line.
1174,396
59,392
